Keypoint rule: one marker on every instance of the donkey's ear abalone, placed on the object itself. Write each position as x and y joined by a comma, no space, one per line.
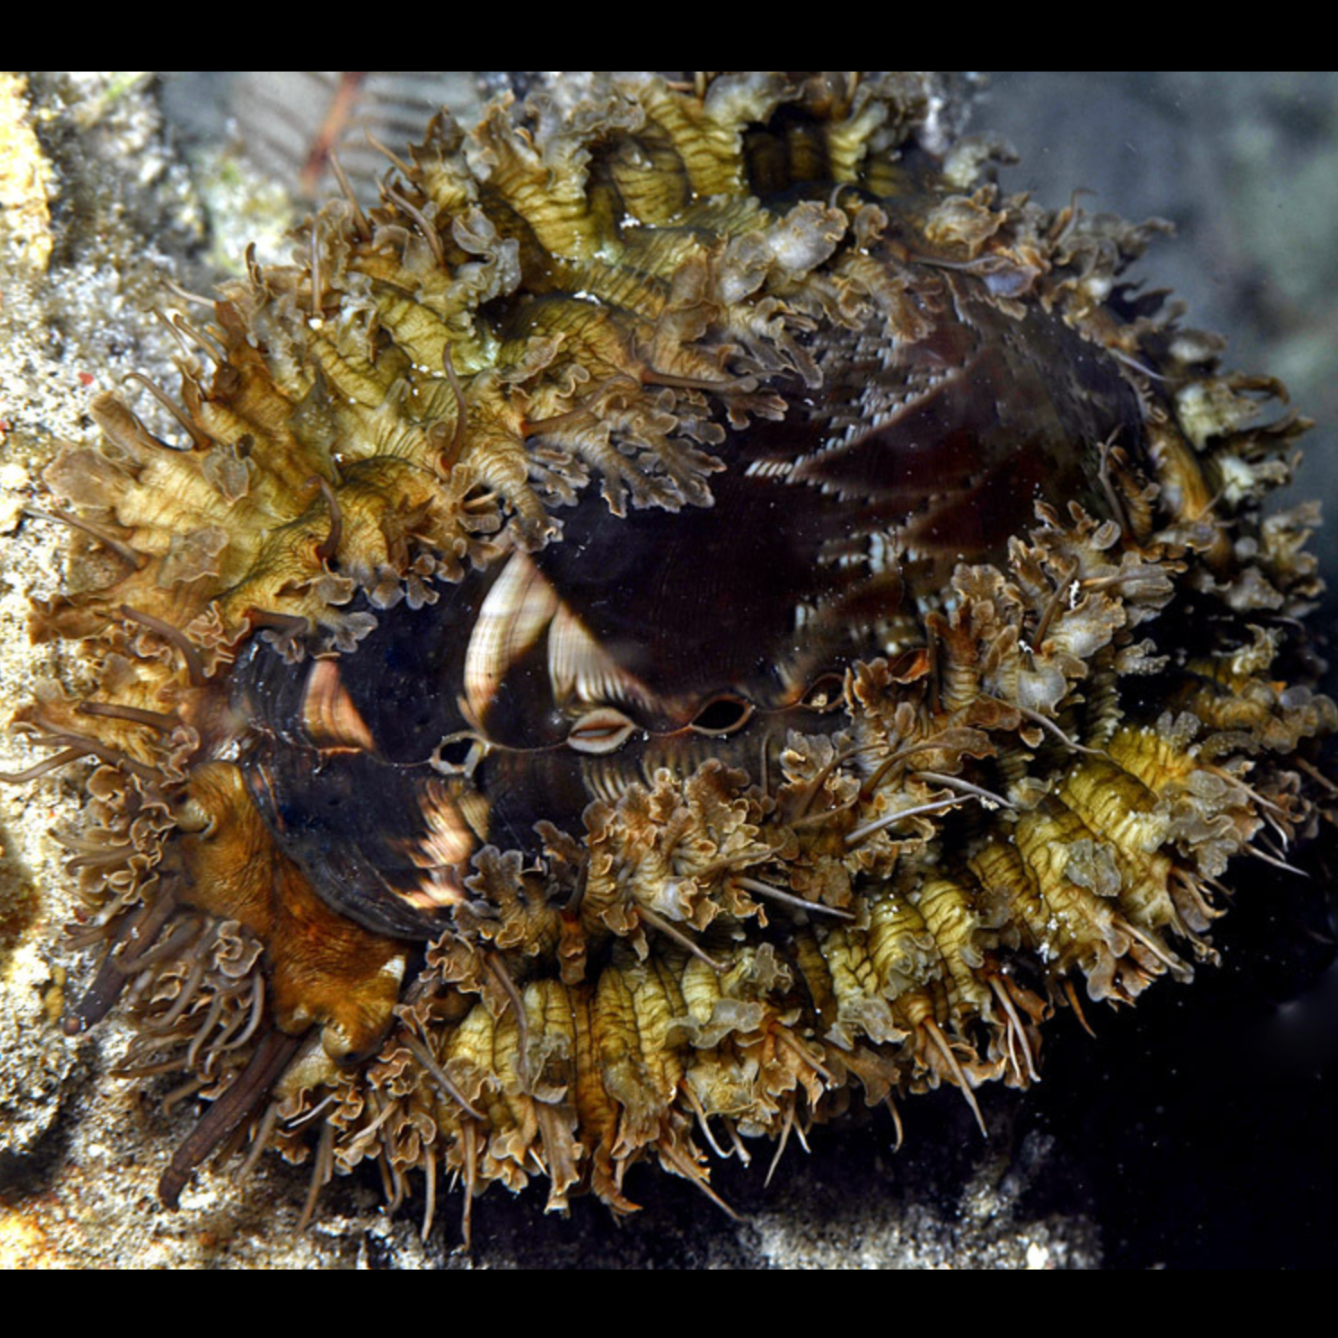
690,613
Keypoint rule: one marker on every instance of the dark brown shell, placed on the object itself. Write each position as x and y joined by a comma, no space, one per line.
386,665
663,638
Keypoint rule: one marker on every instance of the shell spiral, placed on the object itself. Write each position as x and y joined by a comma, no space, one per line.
695,612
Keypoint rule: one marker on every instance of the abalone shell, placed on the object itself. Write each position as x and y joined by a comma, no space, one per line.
663,638
696,612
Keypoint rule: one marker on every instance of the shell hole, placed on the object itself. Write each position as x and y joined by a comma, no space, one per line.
723,715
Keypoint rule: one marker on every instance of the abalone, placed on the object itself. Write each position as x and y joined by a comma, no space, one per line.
694,612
